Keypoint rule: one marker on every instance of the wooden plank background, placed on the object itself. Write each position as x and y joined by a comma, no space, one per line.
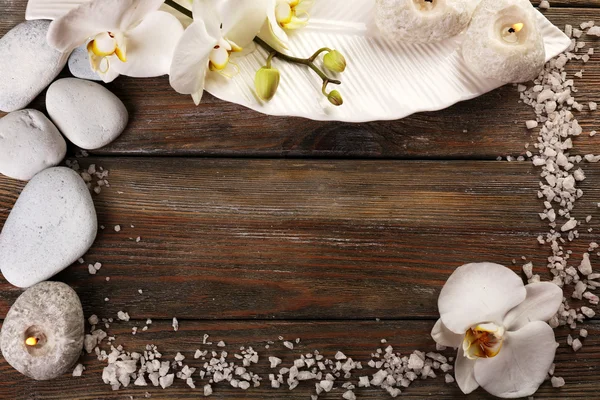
364,222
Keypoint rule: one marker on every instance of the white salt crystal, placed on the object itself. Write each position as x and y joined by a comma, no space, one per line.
531,124
340,356
571,224
585,267
93,320
207,390
557,382
123,316
544,5
326,385
448,378
175,324
594,31
577,345
349,395
588,312
593,106
415,362
289,345
78,371
92,270
583,333
117,228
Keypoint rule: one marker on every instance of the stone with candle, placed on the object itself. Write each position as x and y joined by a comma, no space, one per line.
503,41
42,335
423,21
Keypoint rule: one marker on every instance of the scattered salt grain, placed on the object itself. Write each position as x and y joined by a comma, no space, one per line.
175,324
449,378
117,228
544,5
123,316
78,371
557,382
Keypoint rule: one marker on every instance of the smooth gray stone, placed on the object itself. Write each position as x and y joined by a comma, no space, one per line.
87,113
52,313
52,225
27,64
29,143
79,65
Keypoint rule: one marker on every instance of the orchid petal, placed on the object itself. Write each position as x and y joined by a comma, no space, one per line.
478,293
464,373
445,336
206,11
522,364
50,9
85,21
272,32
183,19
137,11
150,46
242,19
541,304
190,60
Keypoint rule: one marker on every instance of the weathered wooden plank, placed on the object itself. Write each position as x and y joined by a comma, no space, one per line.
295,239
356,339
166,123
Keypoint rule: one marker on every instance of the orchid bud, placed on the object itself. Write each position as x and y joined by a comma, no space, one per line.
266,83
334,61
335,98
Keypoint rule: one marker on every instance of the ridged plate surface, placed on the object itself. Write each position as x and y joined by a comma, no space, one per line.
385,80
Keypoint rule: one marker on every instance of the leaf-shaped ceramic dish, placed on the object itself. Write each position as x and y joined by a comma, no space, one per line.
384,80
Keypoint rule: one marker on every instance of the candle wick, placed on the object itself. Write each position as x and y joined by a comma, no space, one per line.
511,30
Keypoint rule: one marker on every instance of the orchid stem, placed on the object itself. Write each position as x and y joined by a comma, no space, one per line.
309,62
180,8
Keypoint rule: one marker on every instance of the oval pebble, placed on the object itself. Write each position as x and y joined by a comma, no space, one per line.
79,64
51,312
88,114
27,64
52,225
29,143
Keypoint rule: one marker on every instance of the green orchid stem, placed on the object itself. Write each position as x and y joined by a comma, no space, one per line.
309,62
179,8
270,59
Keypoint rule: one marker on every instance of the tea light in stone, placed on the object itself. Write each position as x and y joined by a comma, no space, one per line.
503,41
42,335
423,21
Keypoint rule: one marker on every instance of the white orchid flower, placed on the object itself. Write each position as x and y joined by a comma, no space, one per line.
285,15
220,28
499,327
128,37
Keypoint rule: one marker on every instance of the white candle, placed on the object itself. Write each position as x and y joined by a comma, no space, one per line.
503,41
423,21
42,335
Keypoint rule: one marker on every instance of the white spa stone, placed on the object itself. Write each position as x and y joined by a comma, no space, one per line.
52,224
88,114
27,64
29,143
79,65
404,20
489,56
51,312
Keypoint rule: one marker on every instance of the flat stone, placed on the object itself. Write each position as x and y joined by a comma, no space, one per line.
51,313
52,225
88,114
79,65
27,64
29,143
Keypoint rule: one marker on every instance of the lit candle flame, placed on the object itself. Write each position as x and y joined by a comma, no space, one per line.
518,27
31,341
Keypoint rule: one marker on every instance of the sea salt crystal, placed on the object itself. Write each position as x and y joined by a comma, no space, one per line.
415,362
175,324
588,312
577,345
583,333
449,378
571,224
593,31
123,316
557,382
117,228
544,5
531,124
585,267
593,106
78,371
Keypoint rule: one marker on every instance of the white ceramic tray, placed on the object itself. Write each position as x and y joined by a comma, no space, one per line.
385,80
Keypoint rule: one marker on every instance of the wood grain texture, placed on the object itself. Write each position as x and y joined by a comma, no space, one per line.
286,239
356,339
166,123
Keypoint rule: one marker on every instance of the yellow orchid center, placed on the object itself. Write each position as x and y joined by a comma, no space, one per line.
290,14
483,341
220,55
104,45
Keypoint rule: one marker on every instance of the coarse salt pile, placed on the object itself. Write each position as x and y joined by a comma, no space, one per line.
552,98
94,177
